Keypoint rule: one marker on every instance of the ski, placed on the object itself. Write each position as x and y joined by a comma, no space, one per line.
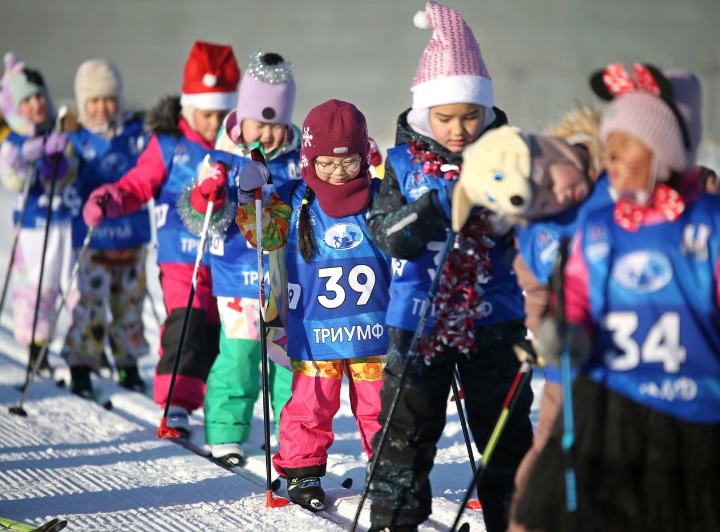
97,397
54,525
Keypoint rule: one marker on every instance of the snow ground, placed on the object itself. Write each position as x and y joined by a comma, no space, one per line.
106,470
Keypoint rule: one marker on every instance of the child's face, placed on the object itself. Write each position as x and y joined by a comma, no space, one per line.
101,110
566,187
208,122
338,170
628,163
34,108
456,125
271,136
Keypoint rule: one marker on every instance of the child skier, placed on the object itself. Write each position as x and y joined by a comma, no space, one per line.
35,156
336,286
642,314
263,116
410,220
184,131
112,271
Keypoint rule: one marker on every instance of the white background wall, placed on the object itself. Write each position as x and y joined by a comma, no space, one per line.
539,52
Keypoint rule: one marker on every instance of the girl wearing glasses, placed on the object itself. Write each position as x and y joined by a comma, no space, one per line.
331,290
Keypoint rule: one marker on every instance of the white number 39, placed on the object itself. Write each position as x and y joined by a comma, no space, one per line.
662,343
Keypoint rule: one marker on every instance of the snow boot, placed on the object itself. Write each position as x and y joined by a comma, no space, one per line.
81,382
130,378
230,453
307,492
45,370
178,418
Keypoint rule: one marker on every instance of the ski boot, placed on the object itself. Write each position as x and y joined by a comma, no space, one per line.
178,418
81,382
231,454
45,370
307,492
130,379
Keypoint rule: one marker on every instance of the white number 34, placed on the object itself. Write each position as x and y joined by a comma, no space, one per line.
662,343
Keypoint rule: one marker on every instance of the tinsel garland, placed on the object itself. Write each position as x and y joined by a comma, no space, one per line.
432,163
459,298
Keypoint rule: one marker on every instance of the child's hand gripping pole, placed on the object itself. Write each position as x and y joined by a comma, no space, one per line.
270,500
163,430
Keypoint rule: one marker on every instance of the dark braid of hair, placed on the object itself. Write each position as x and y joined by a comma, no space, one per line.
306,235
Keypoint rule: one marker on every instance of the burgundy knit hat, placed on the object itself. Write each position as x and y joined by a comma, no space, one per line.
333,129
336,129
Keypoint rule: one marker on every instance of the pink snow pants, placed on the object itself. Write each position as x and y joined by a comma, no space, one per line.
306,420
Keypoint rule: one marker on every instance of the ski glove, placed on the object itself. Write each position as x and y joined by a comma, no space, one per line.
551,338
212,182
104,201
55,164
253,175
32,149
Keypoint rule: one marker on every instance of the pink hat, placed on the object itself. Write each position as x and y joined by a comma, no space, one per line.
211,77
451,69
267,92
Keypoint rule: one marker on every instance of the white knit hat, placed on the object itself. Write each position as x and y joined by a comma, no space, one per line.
96,78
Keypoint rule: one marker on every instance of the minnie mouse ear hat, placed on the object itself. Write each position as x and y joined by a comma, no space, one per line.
211,77
648,107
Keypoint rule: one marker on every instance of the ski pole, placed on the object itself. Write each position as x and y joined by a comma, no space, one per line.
163,430
475,503
568,436
48,218
424,313
270,500
15,238
19,410
518,383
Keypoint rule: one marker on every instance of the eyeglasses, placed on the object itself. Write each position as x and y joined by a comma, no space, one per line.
329,168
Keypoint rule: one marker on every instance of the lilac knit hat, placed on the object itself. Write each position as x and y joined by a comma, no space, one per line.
672,131
267,92
451,69
19,82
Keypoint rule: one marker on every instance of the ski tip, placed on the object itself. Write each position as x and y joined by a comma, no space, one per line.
275,485
315,505
60,383
465,527
107,405
347,483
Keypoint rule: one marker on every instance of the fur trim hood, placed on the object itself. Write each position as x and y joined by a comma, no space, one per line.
163,119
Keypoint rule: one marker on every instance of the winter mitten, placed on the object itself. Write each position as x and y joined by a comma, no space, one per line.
212,182
32,148
551,338
104,201
442,199
375,156
55,165
253,175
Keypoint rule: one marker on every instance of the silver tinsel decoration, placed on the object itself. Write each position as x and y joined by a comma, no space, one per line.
269,67
193,220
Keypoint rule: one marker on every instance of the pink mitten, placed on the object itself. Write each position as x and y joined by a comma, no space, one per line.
104,201
211,183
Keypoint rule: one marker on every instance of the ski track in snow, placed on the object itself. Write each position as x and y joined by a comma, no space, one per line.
106,470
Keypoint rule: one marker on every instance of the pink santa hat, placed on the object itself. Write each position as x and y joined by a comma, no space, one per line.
451,69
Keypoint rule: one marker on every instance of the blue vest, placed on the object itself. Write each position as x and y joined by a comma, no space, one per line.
539,242
104,161
337,302
232,260
653,300
182,158
502,299
64,200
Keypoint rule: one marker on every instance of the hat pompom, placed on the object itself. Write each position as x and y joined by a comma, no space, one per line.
10,60
421,21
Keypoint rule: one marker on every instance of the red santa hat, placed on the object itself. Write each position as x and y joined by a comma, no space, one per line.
211,77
